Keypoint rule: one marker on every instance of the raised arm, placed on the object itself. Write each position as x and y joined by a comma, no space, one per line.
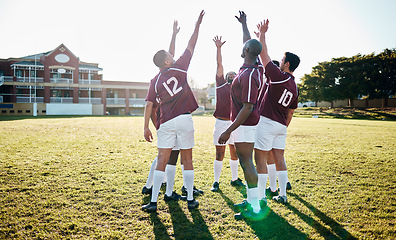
194,37
219,44
245,30
173,40
262,29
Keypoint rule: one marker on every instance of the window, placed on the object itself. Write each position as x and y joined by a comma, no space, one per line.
12,111
27,111
19,73
3,111
19,111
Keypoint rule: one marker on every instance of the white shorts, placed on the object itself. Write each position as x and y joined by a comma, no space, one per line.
175,148
177,132
219,128
270,134
245,134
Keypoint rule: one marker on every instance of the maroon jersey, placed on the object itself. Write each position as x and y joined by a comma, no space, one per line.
223,99
281,94
246,88
171,90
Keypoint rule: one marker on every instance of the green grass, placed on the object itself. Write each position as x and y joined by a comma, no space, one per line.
348,113
81,177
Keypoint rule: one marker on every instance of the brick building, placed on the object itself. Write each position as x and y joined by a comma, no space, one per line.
58,83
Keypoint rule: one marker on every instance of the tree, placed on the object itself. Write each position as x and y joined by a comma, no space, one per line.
370,75
382,77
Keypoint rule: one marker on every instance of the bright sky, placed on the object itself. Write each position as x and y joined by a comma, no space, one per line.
123,36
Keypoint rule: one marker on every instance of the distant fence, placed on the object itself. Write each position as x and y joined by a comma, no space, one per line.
374,103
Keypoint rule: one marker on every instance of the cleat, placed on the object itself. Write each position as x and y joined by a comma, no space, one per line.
280,199
250,215
183,198
263,203
244,205
196,191
151,207
288,186
215,187
184,190
192,204
271,193
238,216
237,183
146,190
173,197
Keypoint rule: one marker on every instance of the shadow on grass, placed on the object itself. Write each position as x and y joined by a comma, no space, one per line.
271,227
183,228
159,229
337,231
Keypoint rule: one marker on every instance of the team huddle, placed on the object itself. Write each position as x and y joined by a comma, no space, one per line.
253,109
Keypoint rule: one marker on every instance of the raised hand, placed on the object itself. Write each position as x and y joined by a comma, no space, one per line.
262,27
218,42
242,17
199,21
176,29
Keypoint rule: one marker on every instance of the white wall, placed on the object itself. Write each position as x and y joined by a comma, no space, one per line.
68,109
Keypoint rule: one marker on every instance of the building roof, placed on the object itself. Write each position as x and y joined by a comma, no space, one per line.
38,63
35,56
86,66
29,63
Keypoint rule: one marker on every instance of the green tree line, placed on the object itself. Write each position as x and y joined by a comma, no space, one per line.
370,76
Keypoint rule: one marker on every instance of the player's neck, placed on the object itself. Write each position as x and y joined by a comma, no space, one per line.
287,70
250,60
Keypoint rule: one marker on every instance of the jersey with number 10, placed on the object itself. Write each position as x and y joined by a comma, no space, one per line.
171,90
281,94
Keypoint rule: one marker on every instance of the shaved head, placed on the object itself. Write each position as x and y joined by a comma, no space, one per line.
251,49
254,47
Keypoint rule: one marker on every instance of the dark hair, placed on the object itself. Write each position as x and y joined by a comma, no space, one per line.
293,60
276,63
159,58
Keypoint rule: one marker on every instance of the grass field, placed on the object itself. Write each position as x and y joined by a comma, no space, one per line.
81,178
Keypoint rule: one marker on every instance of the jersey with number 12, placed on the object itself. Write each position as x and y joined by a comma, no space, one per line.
171,91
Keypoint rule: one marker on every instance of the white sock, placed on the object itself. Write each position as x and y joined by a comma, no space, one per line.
286,168
189,179
234,169
164,180
170,176
157,179
272,176
149,182
252,198
282,178
261,184
217,165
